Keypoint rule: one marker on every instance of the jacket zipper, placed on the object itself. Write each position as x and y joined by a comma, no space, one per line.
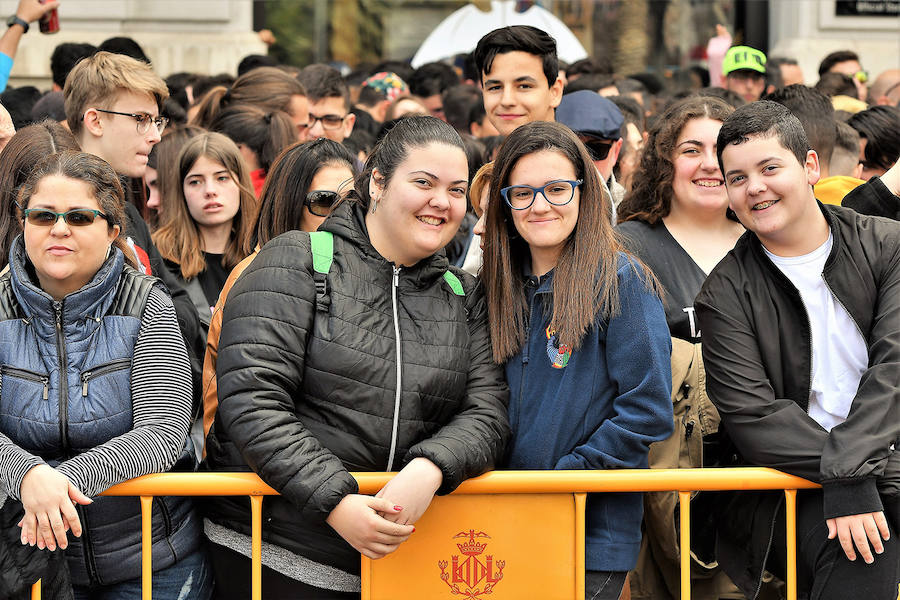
395,283
768,549
839,301
29,376
104,369
525,358
63,380
87,546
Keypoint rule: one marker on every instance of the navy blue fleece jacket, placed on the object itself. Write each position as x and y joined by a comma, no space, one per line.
598,407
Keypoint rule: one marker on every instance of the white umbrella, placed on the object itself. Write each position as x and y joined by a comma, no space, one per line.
459,33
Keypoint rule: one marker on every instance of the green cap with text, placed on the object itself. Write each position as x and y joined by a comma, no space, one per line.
744,58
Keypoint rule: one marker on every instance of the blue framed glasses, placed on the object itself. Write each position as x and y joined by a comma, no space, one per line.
558,193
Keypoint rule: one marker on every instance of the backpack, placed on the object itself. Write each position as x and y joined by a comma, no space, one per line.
322,248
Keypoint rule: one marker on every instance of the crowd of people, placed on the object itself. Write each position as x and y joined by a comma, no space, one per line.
437,272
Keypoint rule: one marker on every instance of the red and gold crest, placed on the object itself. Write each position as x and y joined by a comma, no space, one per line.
468,570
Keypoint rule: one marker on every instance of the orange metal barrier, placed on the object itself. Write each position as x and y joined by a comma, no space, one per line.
517,506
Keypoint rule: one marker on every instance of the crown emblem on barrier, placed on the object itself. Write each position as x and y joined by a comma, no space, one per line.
467,572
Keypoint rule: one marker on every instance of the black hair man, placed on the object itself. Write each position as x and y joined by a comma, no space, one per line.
520,76
801,329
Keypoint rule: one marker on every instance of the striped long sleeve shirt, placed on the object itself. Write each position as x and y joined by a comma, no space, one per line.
161,405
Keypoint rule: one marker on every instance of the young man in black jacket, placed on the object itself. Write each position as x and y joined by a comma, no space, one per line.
801,329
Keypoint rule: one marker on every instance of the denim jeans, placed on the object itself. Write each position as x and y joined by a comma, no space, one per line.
188,579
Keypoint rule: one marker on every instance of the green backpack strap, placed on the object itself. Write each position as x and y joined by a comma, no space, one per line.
322,244
454,283
322,248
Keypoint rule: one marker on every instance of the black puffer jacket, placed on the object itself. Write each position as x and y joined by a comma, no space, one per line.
303,410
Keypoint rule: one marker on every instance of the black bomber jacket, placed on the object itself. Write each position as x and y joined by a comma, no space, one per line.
757,350
308,394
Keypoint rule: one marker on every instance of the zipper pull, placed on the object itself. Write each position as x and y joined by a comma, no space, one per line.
46,382
84,383
57,307
396,281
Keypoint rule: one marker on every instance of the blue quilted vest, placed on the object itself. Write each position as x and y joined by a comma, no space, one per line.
66,388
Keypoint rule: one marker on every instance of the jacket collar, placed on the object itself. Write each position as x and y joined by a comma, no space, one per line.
91,301
830,219
348,221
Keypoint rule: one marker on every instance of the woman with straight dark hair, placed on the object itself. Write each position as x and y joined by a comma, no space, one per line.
260,135
208,231
306,181
581,331
23,151
269,88
87,400
382,363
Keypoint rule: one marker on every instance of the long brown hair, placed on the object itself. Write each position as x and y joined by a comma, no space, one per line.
18,158
94,171
585,283
179,240
651,195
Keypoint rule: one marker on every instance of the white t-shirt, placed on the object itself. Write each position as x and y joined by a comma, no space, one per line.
839,352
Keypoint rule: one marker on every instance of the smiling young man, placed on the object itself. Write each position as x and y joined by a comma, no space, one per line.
801,330
520,76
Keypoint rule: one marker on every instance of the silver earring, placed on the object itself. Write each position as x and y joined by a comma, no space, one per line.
108,250
374,204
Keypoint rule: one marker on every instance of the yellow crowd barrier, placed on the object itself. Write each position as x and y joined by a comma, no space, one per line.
506,534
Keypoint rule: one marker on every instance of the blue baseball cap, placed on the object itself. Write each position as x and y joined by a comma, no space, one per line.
590,114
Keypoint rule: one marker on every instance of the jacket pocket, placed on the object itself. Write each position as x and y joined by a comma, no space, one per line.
101,370
26,375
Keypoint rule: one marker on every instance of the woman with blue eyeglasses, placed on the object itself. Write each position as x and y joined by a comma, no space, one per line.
581,330
85,401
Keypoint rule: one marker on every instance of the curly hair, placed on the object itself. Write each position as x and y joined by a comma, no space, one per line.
651,196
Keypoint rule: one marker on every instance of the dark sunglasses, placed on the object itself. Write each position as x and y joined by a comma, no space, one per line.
319,202
79,217
598,149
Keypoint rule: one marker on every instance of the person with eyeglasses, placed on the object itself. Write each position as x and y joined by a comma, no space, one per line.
580,328
600,126
86,400
329,103
305,181
114,82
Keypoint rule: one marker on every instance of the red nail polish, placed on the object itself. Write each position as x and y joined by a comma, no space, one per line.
414,530
398,508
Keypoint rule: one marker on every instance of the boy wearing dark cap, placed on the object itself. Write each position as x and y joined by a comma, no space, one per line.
744,69
801,330
599,124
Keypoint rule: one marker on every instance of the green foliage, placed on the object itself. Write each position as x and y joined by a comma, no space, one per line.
292,22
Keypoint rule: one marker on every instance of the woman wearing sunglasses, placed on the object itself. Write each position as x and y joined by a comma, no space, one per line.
305,181
209,229
581,331
85,401
382,365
